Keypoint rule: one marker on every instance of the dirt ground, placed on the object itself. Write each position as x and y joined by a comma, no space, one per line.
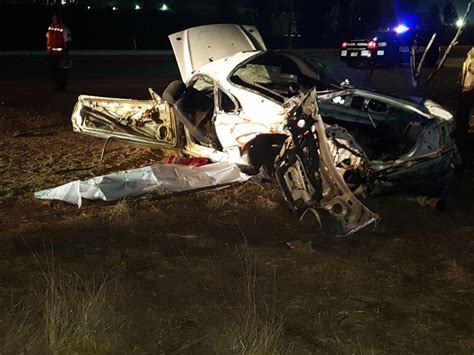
222,272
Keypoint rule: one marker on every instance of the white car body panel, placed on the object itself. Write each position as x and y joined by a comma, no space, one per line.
198,46
257,113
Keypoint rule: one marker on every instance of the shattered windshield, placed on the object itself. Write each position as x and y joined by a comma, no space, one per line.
276,76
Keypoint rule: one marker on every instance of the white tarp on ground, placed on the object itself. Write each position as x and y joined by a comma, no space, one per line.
167,177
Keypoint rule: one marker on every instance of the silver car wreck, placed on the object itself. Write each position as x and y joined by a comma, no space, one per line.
271,112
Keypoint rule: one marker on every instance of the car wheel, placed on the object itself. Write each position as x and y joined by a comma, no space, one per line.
173,91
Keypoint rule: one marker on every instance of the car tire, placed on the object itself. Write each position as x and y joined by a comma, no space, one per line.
174,91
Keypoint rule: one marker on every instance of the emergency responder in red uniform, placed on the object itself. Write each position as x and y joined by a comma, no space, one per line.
58,39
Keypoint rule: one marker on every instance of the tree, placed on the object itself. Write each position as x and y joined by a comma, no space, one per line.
449,13
432,18
329,22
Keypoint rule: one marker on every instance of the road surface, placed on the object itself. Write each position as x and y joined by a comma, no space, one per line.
24,78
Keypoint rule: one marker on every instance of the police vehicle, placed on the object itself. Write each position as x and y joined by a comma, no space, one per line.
389,47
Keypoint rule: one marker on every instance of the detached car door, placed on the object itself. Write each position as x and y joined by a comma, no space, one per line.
147,122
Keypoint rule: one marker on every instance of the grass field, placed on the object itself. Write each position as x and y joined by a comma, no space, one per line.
226,272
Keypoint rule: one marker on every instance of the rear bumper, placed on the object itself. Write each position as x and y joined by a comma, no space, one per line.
363,55
387,54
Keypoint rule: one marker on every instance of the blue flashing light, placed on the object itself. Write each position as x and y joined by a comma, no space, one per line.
401,29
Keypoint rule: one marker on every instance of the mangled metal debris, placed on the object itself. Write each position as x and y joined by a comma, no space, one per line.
308,178
274,113
150,122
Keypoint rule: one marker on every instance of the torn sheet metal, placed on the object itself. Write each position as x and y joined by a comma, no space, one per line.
309,179
171,178
149,122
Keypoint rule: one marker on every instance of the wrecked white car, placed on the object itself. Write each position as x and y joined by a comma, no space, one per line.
271,111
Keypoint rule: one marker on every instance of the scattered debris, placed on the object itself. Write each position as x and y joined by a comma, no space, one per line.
433,202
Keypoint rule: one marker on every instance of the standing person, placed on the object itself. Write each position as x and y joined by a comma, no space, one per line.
58,39
466,98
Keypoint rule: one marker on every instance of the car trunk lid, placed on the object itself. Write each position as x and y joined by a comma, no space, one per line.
198,46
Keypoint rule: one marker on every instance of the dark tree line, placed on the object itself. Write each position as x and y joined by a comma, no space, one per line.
325,22
449,13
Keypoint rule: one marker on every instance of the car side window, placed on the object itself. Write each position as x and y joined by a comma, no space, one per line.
225,103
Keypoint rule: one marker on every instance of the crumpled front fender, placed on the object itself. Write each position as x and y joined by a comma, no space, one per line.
309,179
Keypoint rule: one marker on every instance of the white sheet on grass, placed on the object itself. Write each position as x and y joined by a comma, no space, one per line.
169,177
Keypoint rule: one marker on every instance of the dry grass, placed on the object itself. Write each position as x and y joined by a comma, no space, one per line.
263,337
120,213
64,312
244,194
233,197
252,325
20,332
217,201
74,311
265,203
455,272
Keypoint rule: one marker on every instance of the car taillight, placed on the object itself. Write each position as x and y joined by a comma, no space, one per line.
344,45
372,45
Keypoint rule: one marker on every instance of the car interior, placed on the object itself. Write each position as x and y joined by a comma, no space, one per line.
194,107
384,132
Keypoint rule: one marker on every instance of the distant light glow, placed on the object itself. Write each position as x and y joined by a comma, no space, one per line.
88,7
164,7
114,8
137,7
372,45
401,29
63,2
459,23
